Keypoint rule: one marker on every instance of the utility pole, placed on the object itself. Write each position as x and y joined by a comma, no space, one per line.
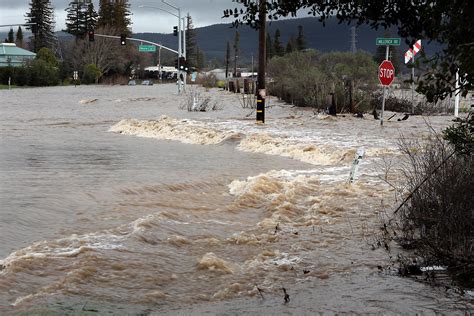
261,62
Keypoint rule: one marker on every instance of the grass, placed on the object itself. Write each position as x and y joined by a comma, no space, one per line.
5,87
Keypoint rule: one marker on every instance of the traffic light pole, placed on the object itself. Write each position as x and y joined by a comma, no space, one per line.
139,40
184,48
261,93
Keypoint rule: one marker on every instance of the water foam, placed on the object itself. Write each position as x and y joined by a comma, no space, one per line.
166,128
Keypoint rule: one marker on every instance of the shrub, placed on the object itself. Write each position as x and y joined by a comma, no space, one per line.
209,81
43,74
438,220
220,84
91,74
391,103
307,78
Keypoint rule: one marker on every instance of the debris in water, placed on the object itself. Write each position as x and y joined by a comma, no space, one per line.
287,296
306,271
277,228
404,118
391,117
260,291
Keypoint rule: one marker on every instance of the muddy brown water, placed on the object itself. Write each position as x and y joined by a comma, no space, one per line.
113,200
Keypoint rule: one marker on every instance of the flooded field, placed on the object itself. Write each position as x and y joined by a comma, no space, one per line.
115,200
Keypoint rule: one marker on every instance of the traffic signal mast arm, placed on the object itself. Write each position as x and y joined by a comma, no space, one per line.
138,40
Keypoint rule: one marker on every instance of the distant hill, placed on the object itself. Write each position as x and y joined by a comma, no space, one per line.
213,39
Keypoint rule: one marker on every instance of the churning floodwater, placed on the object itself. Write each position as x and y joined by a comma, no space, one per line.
113,199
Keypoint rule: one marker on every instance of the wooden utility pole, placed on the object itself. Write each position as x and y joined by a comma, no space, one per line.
261,62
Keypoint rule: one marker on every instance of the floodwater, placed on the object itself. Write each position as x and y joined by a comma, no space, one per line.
115,200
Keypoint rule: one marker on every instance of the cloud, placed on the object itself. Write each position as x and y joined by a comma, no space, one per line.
203,12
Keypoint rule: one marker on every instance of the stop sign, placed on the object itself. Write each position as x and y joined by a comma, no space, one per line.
386,73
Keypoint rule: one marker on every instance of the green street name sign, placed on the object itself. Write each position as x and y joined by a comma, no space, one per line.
147,48
388,41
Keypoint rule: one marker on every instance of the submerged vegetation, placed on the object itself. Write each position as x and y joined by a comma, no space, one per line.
436,220
307,78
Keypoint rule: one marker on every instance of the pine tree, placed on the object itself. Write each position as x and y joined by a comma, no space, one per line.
269,45
11,36
278,48
74,18
19,37
191,46
236,51
80,18
300,41
115,14
290,46
42,14
90,18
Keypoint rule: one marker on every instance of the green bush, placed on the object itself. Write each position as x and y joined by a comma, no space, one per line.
22,76
43,74
307,78
91,74
220,84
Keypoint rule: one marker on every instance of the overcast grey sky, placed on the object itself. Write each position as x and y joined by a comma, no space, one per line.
203,12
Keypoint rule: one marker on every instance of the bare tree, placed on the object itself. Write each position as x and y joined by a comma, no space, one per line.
98,53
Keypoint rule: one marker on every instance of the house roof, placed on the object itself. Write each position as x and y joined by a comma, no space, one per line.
11,55
10,49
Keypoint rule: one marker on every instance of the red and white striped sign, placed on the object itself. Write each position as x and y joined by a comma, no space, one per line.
412,52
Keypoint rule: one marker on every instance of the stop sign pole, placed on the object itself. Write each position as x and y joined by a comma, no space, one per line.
382,76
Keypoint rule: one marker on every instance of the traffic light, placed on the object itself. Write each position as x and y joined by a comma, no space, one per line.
123,39
175,30
176,61
91,35
182,62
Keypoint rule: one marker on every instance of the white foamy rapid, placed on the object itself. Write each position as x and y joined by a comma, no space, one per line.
303,145
166,128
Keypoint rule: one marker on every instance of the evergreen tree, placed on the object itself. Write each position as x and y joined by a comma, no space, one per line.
191,46
278,48
290,46
91,17
42,14
19,37
269,46
11,37
300,41
227,60
236,51
80,18
116,15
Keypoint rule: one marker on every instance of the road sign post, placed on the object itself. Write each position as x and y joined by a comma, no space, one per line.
386,76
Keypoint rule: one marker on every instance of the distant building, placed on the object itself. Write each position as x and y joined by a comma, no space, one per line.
11,55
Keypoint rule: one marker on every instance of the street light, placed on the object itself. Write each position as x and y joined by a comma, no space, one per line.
181,39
